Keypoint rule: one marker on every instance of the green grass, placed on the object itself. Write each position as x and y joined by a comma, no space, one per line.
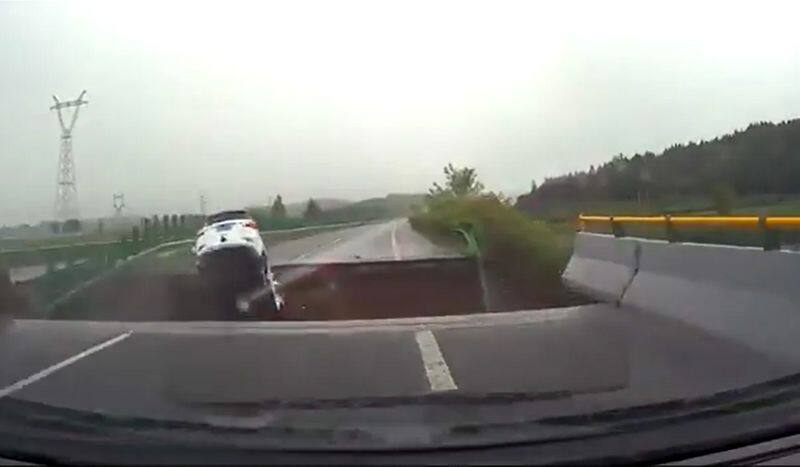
568,211
786,208
55,241
505,237
565,239
91,237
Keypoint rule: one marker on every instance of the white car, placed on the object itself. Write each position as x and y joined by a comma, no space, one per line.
232,259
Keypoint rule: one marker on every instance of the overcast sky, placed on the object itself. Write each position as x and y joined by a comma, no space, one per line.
358,99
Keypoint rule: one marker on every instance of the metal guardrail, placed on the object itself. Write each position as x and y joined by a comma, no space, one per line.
769,226
733,221
122,248
186,241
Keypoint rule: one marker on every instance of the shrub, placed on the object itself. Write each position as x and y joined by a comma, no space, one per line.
505,237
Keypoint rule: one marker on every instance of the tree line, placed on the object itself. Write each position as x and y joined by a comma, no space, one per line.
762,159
278,210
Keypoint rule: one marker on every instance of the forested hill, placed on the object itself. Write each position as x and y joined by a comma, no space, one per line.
764,158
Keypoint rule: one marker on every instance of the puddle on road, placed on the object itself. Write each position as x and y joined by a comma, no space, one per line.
341,291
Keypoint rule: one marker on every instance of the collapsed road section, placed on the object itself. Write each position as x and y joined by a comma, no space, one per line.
312,291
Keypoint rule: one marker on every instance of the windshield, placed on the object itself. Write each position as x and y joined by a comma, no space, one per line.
353,224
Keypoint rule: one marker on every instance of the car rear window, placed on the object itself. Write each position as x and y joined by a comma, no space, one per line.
224,227
226,216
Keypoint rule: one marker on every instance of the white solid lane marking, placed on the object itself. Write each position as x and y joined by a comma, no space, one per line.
8,390
395,250
436,368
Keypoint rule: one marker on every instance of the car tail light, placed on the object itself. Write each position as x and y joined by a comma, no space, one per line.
251,224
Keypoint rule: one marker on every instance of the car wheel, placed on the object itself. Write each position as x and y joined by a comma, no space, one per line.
265,308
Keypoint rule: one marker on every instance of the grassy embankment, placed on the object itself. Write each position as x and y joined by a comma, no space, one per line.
507,239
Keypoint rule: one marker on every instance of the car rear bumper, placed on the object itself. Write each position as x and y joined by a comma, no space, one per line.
235,264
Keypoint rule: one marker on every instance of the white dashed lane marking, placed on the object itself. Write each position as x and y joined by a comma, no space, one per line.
436,368
8,390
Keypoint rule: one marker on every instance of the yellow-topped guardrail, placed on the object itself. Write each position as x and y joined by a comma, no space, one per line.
733,221
770,226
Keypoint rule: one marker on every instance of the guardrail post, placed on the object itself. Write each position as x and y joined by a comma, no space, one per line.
147,232
672,234
771,237
616,228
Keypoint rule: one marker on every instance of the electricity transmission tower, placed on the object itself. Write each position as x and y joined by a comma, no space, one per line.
119,203
66,190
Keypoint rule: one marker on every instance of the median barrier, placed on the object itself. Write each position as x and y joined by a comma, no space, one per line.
601,265
742,293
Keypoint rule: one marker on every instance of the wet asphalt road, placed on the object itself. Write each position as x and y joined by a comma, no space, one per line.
598,356
392,240
605,356
386,241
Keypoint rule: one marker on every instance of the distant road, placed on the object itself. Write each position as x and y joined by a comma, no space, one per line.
391,240
388,240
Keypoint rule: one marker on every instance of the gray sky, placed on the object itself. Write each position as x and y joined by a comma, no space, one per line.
358,99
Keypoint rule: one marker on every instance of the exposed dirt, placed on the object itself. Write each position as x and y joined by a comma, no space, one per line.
392,289
13,299
382,290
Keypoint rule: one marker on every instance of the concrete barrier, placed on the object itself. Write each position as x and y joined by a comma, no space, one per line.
601,265
741,293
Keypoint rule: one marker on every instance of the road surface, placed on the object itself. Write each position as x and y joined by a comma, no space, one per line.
382,241
386,241
557,361
595,356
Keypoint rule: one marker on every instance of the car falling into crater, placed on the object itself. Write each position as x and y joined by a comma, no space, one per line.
232,261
